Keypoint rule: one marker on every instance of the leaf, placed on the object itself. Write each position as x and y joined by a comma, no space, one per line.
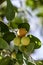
34,4
29,63
27,50
35,40
39,62
29,3
18,20
3,27
19,57
40,15
12,62
9,11
24,25
3,44
2,10
30,48
14,23
9,36
5,61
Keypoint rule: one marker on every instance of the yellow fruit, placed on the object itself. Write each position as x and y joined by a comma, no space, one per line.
21,32
25,41
13,55
17,41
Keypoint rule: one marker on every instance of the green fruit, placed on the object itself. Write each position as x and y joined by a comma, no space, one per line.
17,41
25,41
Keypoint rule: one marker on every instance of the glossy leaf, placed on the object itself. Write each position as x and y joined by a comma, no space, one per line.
3,27
19,57
3,44
35,40
9,36
24,25
9,11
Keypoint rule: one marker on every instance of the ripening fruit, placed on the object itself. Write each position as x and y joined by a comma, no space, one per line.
21,32
17,41
13,55
25,41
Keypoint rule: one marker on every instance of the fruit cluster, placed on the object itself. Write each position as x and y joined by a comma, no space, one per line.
21,38
25,43
25,40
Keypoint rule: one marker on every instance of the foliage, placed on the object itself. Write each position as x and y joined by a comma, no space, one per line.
16,54
34,3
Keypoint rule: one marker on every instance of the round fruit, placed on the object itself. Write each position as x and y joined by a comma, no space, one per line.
21,32
17,41
25,41
13,55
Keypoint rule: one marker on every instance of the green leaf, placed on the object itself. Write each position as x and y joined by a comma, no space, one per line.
29,3
34,4
27,50
9,11
35,40
2,12
13,25
40,15
3,27
3,44
12,62
5,61
39,62
19,57
9,36
29,63
18,20
30,48
24,25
